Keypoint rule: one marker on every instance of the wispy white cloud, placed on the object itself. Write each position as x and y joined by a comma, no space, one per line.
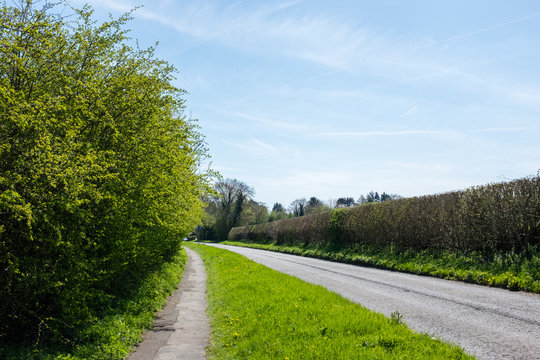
423,167
458,78
256,146
221,168
331,94
318,38
412,132
265,146
328,40
523,94
488,130
312,183
275,124
113,5
413,110
202,19
379,133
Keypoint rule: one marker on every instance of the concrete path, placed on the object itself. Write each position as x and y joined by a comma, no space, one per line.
181,330
487,322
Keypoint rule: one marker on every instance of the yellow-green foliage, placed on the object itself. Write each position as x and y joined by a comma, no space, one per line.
98,168
489,218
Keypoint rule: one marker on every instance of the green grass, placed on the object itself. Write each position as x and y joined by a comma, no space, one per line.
505,270
259,313
114,335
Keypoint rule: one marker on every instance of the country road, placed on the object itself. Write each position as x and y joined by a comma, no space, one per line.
487,322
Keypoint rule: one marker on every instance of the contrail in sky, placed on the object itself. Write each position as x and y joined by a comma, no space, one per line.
461,36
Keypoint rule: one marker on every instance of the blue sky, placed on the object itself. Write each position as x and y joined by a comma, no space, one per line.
337,98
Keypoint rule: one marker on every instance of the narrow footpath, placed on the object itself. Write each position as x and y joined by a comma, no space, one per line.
181,330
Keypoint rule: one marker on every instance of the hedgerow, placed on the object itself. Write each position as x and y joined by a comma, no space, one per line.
99,174
489,218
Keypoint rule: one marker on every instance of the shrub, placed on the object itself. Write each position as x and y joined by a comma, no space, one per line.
98,169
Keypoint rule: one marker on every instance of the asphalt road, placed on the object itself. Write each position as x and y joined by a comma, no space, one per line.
487,322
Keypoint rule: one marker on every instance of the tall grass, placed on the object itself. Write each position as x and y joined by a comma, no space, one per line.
112,335
506,270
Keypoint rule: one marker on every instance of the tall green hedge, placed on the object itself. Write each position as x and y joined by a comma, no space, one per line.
99,175
494,217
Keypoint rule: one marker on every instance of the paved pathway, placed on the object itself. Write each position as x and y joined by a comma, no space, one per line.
181,330
488,322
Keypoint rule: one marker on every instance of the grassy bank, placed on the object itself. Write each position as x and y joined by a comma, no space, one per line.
258,313
113,335
505,270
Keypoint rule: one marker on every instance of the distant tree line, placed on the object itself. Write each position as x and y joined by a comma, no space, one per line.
375,197
232,205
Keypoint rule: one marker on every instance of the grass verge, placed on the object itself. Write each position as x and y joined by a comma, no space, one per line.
259,313
505,270
114,335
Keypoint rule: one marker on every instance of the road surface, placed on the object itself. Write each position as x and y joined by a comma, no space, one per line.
487,322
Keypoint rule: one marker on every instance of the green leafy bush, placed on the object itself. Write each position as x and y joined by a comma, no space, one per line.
98,169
